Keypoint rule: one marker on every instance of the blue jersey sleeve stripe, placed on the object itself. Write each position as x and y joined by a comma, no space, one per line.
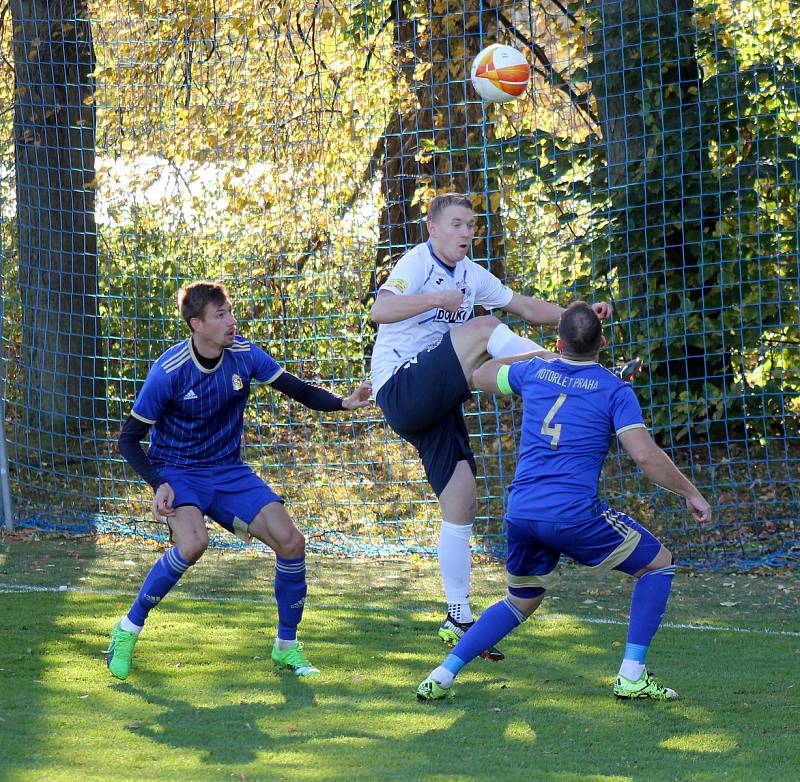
630,426
275,376
174,364
141,418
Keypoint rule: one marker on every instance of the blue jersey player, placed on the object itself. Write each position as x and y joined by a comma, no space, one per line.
571,408
194,399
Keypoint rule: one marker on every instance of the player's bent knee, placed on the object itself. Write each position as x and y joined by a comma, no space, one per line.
476,330
526,599
664,558
293,547
483,325
193,548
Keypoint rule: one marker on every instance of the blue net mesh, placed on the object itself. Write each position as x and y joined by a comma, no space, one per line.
289,149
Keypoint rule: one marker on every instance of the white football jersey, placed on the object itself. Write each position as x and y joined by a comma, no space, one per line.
419,271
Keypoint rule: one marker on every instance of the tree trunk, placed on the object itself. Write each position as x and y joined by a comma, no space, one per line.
54,134
437,142
662,197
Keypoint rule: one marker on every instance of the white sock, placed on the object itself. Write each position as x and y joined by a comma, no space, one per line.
128,626
455,564
460,612
283,645
442,676
504,342
631,669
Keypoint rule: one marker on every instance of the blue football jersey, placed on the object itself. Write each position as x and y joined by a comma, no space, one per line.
570,411
197,414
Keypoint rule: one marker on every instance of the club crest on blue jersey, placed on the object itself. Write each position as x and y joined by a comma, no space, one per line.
238,385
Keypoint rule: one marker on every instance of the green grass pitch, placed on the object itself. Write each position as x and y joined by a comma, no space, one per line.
204,703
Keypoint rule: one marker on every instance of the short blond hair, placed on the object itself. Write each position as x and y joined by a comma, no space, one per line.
440,202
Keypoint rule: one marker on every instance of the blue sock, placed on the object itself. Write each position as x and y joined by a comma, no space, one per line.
161,578
290,593
648,603
494,624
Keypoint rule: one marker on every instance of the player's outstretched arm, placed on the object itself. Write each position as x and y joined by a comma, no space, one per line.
391,308
543,313
359,398
317,398
660,469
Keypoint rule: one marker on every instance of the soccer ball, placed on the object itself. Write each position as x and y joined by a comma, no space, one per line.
500,73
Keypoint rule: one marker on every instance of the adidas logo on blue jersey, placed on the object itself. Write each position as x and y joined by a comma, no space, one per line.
190,394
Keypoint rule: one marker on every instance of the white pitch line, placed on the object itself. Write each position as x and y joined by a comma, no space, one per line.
7,589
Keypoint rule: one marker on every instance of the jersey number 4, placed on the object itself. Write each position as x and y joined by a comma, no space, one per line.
548,428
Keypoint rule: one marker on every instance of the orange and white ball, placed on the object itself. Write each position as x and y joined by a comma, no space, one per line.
500,73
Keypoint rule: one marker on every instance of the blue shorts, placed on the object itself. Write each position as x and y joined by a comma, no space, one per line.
422,403
609,541
230,494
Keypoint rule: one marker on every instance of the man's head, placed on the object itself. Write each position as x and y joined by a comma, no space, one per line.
207,310
451,226
580,333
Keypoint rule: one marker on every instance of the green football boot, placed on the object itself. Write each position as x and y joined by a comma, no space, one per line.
293,659
120,652
431,690
451,632
645,686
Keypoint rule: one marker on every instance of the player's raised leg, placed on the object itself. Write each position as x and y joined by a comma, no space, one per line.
648,603
191,540
484,337
274,527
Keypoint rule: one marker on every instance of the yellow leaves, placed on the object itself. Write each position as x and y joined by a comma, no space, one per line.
420,70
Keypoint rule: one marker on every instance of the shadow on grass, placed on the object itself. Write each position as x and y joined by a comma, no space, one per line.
30,561
202,698
207,730
546,699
